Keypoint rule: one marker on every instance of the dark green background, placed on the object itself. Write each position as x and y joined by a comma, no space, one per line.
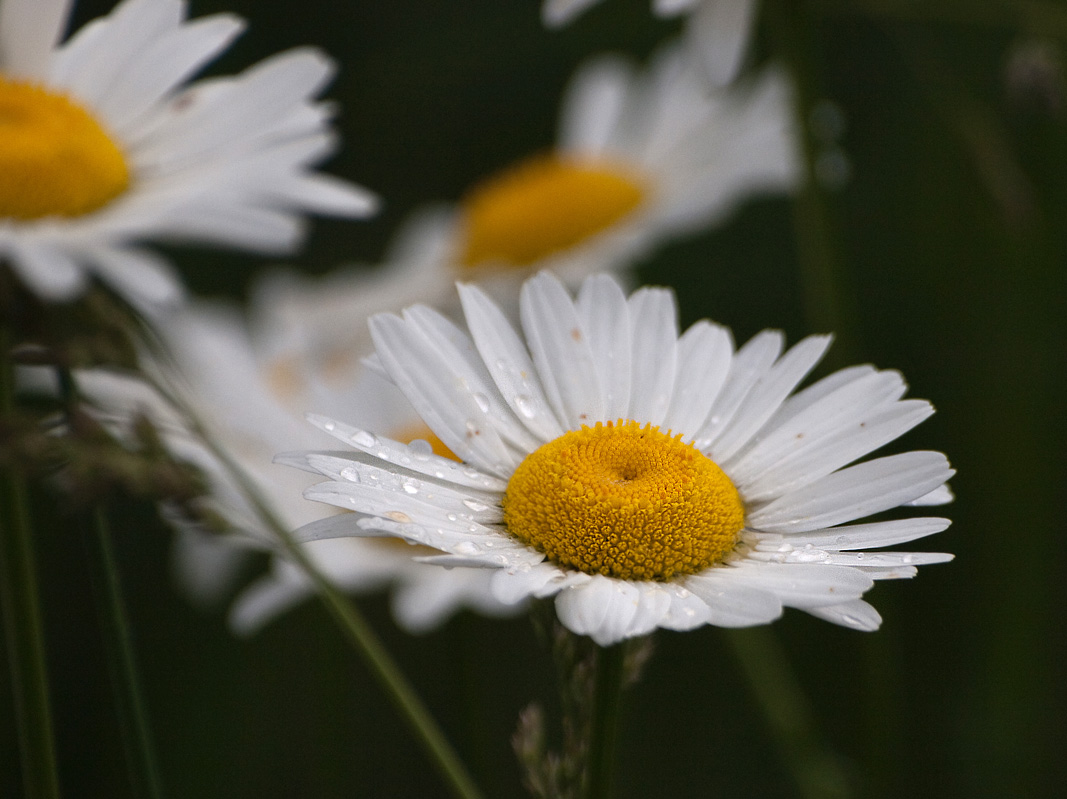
951,236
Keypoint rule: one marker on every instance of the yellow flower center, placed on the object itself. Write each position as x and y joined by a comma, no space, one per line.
55,159
624,501
542,206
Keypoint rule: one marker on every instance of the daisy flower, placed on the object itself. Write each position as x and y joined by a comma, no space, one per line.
106,146
719,29
642,478
641,156
249,383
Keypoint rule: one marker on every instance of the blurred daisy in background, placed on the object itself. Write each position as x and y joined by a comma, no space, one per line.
105,146
250,383
641,478
642,155
719,30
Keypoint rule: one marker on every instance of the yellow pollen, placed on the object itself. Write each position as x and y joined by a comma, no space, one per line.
55,159
542,206
625,501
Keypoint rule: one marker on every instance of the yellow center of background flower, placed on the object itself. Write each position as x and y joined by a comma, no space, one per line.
625,501
542,206
406,435
55,159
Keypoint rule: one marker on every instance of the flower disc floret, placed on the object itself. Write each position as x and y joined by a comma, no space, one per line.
56,160
542,206
625,501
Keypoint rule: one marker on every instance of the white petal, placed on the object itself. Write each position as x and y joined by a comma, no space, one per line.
605,317
593,105
857,614
801,585
854,492
823,409
704,354
602,608
560,351
556,13
767,395
508,586
826,449
732,604
29,29
48,271
654,329
265,600
942,495
719,32
508,362
749,364
143,277
454,347
425,463
439,395
858,536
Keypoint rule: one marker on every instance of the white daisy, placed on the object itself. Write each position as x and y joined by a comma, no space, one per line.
719,30
249,384
642,156
641,478
106,146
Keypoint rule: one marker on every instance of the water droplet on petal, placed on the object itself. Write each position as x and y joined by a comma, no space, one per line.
420,449
329,426
411,488
398,516
526,406
475,505
482,400
361,438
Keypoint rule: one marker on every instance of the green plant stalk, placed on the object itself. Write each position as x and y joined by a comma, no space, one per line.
24,633
815,767
137,738
352,623
828,305
604,730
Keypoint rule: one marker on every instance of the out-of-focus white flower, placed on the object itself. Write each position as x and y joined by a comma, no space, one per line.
642,478
719,30
106,145
642,155
250,384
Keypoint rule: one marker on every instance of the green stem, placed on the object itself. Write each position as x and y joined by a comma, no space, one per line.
827,303
352,623
815,767
137,738
603,733
24,633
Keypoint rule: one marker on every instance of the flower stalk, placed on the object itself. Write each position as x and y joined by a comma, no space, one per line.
603,735
24,632
348,618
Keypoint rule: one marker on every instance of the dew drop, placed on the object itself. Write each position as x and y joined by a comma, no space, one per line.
361,438
350,474
467,548
398,516
420,449
475,505
411,488
482,400
452,517
525,405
